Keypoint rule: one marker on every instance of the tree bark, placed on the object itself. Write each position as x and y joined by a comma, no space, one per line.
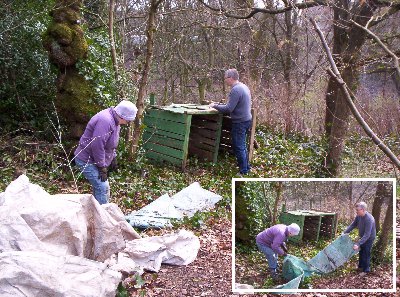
347,41
381,194
268,207
349,97
385,235
65,42
150,32
111,37
279,191
242,215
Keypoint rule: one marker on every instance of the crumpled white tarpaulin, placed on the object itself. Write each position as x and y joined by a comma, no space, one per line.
69,245
161,211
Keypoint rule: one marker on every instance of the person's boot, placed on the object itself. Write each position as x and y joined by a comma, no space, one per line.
274,275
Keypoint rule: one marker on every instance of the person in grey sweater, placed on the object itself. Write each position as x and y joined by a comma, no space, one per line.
365,223
239,109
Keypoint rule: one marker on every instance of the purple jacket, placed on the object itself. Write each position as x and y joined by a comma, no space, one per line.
100,139
274,237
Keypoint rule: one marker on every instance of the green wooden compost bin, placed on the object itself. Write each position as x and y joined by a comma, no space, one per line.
174,132
313,224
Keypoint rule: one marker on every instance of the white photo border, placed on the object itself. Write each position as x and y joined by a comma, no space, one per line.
234,290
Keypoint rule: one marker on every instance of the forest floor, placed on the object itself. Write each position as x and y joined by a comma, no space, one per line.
137,184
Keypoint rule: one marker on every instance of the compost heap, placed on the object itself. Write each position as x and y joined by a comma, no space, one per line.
70,245
329,259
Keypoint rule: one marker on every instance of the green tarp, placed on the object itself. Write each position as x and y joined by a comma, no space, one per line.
329,259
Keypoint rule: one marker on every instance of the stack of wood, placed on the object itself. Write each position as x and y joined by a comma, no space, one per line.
398,233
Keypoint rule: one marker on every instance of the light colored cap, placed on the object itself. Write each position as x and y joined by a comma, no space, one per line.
294,229
126,110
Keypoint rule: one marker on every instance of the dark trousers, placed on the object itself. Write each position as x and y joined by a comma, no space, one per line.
239,134
365,255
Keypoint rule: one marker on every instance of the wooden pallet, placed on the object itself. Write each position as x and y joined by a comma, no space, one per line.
313,224
174,132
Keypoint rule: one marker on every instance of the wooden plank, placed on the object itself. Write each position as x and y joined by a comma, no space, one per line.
165,115
185,148
210,118
201,154
201,139
162,158
202,146
252,134
205,124
204,132
226,123
190,109
162,140
178,154
155,131
159,124
218,139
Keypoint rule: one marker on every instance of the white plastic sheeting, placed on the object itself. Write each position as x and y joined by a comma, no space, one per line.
174,249
161,211
69,245
32,273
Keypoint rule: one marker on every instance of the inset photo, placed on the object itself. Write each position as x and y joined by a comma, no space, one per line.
313,235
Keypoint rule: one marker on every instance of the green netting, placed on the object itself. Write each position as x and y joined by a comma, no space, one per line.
329,259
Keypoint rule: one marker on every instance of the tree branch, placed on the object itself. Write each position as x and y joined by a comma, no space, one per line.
334,73
256,10
384,47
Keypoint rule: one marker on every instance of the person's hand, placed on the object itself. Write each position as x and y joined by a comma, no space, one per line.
344,233
103,174
355,247
212,104
113,166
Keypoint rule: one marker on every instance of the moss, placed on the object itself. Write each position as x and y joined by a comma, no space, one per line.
66,44
78,48
75,93
61,32
66,15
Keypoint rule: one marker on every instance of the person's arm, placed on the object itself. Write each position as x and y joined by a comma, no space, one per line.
352,226
232,102
276,245
367,232
284,247
101,134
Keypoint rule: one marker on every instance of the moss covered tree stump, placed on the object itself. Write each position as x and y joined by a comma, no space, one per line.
65,42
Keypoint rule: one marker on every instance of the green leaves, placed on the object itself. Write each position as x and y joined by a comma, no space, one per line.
292,155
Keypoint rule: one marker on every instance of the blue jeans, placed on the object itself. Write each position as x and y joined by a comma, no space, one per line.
101,190
239,134
364,256
271,256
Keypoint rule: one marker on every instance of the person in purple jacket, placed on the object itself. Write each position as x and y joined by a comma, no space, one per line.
96,153
271,242
365,223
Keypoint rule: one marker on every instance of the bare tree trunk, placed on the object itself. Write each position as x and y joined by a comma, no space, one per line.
111,37
351,205
243,214
268,207
279,191
385,235
150,32
381,194
65,50
349,97
347,42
